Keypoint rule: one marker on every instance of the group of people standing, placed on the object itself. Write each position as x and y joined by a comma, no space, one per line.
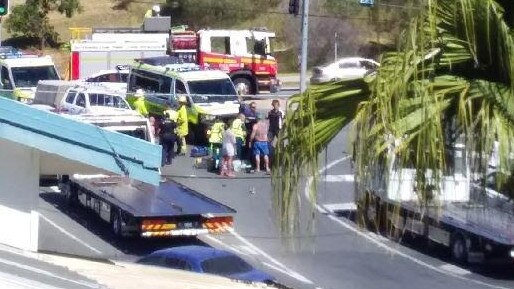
171,130
248,138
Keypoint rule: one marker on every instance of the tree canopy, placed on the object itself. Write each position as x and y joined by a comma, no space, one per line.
451,80
31,20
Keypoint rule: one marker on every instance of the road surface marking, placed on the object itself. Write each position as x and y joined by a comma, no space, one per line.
47,273
286,272
290,272
339,207
378,242
455,269
70,235
219,242
248,250
337,178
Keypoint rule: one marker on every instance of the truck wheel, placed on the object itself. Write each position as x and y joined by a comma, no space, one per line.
459,249
70,195
116,223
243,86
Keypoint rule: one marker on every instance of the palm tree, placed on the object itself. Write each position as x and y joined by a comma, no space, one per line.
451,80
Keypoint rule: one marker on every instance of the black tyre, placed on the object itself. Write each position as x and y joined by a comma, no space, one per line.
459,249
70,194
116,223
243,86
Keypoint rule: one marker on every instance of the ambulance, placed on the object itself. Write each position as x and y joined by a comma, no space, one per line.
20,74
210,94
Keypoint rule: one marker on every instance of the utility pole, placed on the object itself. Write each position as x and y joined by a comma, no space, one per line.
304,46
335,46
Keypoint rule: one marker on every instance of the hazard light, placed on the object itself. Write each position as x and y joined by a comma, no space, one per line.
218,224
157,225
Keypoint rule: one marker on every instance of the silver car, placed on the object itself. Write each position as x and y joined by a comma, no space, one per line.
344,68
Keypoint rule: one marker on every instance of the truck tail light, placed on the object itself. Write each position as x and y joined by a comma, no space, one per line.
218,224
157,225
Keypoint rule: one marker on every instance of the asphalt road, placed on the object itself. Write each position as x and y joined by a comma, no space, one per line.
329,252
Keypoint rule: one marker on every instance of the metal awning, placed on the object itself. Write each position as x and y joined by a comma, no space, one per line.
70,146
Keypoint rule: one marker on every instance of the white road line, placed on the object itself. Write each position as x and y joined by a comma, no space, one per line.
338,178
248,250
287,272
47,273
379,243
455,269
290,272
337,207
70,235
219,242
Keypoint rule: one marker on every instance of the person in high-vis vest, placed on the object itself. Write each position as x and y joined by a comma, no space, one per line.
215,134
139,103
182,124
239,129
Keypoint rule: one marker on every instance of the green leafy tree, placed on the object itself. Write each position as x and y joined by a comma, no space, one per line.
451,81
31,20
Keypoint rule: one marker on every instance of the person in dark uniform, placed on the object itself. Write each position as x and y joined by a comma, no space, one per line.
168,136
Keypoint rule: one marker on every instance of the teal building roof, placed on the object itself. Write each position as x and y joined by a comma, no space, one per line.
80,142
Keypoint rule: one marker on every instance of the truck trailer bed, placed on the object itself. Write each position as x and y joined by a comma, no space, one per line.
143,200
487,215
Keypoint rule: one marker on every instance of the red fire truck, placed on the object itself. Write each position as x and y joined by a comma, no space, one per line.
246,55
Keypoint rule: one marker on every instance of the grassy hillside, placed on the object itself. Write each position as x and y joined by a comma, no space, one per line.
353,32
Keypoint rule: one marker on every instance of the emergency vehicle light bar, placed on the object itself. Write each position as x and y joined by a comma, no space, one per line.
160,60
10,52
183,67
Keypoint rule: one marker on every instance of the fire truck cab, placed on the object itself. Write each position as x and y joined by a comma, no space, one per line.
246,55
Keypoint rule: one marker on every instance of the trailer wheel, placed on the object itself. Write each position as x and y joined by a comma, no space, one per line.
70,194
459,249
243,86
116,223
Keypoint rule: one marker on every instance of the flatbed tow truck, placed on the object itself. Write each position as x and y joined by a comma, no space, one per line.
137,209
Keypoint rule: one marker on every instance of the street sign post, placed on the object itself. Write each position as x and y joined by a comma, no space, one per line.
304,48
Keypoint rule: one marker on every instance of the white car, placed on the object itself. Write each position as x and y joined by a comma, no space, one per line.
344,68
75,97
113,79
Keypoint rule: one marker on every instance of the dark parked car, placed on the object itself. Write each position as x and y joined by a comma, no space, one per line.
206,260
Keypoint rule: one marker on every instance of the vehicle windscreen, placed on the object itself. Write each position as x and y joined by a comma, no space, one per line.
226,265
100,99
218,90
30,76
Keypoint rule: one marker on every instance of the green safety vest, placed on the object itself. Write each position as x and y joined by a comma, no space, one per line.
182,123
216,132
171,114
238,129
140,106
